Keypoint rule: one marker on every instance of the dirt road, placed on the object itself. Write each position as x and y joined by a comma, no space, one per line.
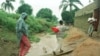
75,41
47,45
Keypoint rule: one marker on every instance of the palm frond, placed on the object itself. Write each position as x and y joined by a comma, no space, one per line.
11,6
3,4
65,7
77,1
76,7
6,5
64,1
63,4
71,3
12,0
80,3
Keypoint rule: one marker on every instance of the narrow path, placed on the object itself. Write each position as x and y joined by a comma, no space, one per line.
46,45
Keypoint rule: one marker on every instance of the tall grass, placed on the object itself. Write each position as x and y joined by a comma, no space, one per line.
8,21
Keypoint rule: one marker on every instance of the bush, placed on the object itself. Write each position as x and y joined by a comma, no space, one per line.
45,13
8,21
11,24
3,17
35,25
13,16
25,8
68,17
38,25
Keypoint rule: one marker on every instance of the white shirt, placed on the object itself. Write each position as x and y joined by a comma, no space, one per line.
62,29
91,19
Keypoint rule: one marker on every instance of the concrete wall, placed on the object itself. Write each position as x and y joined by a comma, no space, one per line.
81,22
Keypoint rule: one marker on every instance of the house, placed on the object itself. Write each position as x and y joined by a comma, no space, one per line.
82,16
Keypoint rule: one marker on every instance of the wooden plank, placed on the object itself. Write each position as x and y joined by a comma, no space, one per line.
65,53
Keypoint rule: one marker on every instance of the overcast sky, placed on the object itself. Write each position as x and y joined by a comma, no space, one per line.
38,4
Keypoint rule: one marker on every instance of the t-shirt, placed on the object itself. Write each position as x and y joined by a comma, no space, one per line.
62,29
91,19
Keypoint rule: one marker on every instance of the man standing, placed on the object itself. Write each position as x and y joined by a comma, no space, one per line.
22,35
91,21
60,35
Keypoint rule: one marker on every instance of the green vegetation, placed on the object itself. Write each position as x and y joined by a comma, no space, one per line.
46,13
8,42
71,4
42,23
7,21
7,5
36,25
8,39
25,8
67,17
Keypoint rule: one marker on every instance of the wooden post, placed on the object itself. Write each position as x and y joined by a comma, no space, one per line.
96,16
97,13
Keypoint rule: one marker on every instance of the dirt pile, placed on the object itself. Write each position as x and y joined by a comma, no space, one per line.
88,48
74,36
73,39
81,44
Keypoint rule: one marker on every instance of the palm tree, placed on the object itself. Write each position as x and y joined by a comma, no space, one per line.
70,3
7,5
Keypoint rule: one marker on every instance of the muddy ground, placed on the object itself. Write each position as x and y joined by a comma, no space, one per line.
8,48
77,41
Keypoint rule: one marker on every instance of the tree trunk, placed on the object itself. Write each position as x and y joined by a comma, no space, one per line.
8,10
98,7
70,7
